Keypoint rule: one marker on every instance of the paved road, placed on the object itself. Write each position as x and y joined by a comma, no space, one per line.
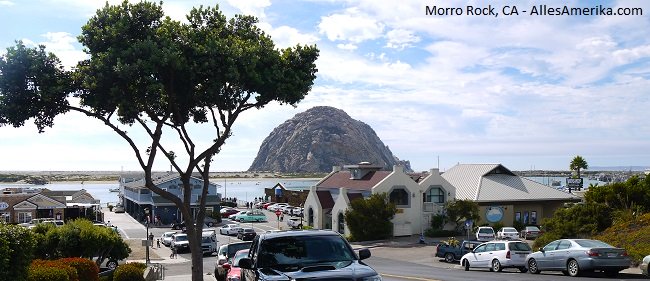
395,260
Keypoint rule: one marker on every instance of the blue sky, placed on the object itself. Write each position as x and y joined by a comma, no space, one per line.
525,91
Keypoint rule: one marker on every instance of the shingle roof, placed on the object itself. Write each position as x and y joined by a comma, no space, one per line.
494,182
342,179
325,198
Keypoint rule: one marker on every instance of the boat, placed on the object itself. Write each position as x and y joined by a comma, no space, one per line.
114,189
556,183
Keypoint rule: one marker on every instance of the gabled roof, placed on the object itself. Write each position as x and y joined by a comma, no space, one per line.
325,198
354,196
342,179
494,182
418,177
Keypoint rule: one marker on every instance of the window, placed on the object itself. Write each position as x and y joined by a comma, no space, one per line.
399,197
341,223
533,217
4,217
490,247
518,216
480,249
564,244
310,217
435,195
500,246
551,246
24,217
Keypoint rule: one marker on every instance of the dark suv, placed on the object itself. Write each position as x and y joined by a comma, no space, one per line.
305,255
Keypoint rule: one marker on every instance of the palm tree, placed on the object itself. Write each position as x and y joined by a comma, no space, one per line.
578,163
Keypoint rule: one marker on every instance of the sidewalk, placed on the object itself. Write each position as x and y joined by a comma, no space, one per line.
206,277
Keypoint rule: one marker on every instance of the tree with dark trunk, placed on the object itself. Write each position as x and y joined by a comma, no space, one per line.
164,78
578,163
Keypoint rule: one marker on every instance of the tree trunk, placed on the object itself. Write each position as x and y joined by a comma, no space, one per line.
193,236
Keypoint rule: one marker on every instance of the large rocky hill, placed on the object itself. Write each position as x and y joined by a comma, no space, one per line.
319,138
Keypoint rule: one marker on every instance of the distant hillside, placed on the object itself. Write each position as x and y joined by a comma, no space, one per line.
618,168
319,138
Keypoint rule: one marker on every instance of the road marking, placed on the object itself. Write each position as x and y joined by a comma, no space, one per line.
408,277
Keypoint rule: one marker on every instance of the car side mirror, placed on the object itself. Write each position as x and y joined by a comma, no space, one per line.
245,263
364,254
541,249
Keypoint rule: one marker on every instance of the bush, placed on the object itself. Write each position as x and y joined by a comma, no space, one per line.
369,219
517,225
87,270
437,221
545,238
497,226
633,236
69,270
16,252
440,233
130,272
46,273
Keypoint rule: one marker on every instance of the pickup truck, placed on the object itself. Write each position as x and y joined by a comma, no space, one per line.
294,223
451,253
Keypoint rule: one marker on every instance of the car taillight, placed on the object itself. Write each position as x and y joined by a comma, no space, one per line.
592,253
624,254
507,254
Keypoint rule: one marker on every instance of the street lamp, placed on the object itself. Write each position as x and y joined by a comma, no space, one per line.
146,216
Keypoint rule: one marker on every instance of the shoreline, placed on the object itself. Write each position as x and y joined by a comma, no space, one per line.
213,180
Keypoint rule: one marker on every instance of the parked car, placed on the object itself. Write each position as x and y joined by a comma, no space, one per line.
246,234
208,242
287,209
119,208
226,212
574,256
644,265
267,205
250,216
226,253
232,267
297,211
276,206
210,221
294,223
497,255
166,238
229,229
507,233
180,242
485,233
178,225
530,231
451,253
305,255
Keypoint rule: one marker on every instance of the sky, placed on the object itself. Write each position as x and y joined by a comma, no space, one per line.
529,91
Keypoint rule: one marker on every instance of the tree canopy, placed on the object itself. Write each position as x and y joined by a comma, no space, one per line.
369,219
460,210
578,163
149,73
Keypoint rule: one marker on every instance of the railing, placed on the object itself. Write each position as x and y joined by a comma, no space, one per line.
431,207
155,271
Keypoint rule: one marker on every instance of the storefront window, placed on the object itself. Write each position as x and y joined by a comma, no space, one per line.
24,217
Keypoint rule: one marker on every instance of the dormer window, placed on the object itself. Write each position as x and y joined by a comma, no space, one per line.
355,174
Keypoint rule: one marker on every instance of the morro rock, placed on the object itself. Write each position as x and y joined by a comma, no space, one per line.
319,138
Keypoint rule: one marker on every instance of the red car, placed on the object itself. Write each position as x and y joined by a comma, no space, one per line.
266,205
233,265
226,212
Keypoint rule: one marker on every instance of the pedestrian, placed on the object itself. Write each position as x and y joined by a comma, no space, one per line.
173,254
151,239
282,217
158,243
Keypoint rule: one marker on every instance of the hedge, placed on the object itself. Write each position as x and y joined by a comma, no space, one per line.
87,270
16,252
57,264
47,273
129,272
633,236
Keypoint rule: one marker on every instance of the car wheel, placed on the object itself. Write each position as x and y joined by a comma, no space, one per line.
496,266
523,269
532,266
466,265
573,268
111,265
449,257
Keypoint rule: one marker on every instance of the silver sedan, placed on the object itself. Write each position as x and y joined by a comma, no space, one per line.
573,256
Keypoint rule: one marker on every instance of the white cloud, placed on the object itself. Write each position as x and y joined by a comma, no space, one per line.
251,7
400,39
63,45
286,36
348,47
352,26
6,3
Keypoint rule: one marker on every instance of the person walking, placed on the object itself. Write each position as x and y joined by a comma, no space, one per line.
173,254
158,243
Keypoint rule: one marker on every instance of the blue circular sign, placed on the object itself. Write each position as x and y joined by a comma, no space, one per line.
494,214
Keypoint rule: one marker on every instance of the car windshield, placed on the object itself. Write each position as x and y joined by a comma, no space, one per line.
593,244
532,228
206,239
519,246
295,252
180,238
509,229
249,230
485,230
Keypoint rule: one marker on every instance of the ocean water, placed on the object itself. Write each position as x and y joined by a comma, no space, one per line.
549,181
243,190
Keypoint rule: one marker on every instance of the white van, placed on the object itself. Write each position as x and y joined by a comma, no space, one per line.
209,242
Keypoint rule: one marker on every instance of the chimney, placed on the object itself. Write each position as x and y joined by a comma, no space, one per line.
435,171
336,169
398,168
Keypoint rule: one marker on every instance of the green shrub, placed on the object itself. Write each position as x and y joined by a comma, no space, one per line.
546,238
437,221
87,270
16,252
633,236
518,225
47,273
129,272
369,219
105,278
439,233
